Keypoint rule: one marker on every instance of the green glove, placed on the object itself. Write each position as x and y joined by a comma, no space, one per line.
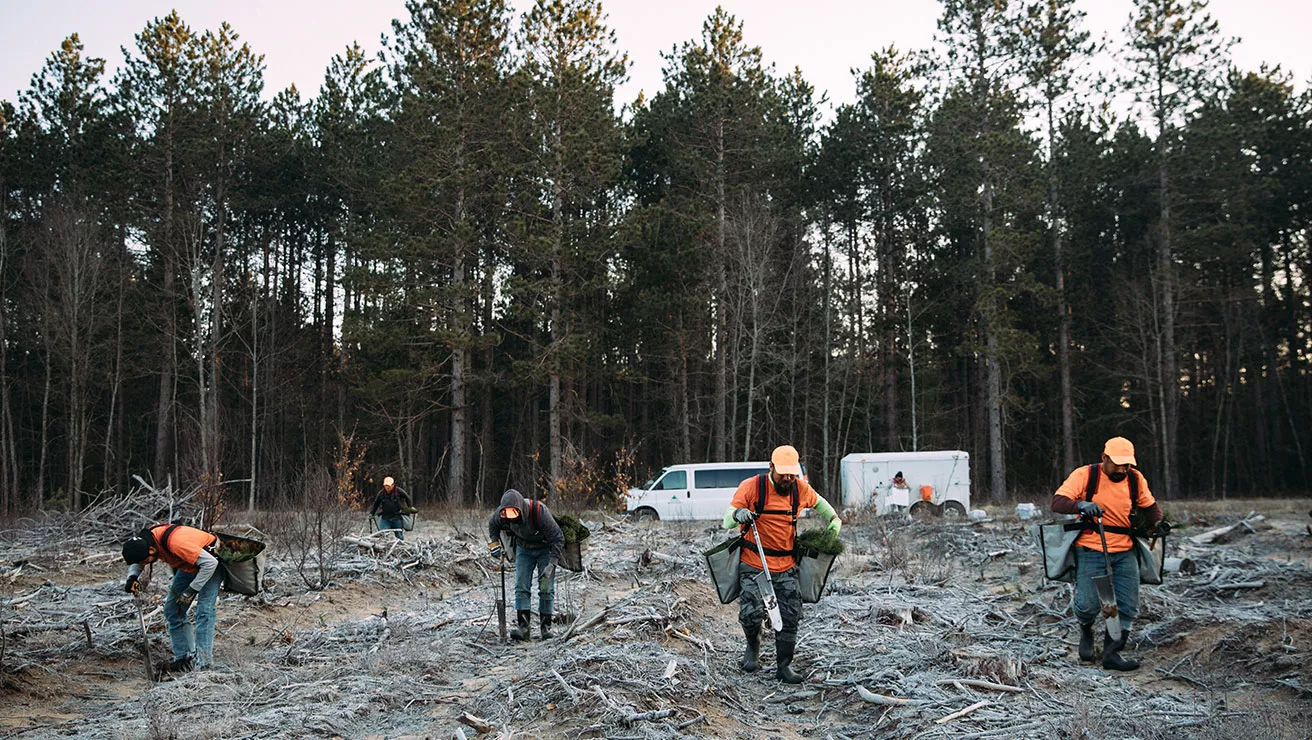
835,525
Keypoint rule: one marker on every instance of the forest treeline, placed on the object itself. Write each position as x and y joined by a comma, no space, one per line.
464,259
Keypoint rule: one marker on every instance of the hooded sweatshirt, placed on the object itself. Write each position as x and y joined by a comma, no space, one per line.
534,529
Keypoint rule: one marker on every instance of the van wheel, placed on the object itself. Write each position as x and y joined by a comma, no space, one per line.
646,515
923,511
953,510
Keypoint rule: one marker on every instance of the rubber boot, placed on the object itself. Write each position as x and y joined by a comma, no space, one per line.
783,662
524,631
1086,642
1111,653
546,626
181,665
752,653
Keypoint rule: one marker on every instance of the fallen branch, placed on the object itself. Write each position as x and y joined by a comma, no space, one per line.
648,716
889,701
481,726
962,713
1221,535
983,685
573,694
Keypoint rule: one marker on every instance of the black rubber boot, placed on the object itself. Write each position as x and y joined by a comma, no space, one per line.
752,653
1111,653
182,665
546,626
784,660
1086,642
524,631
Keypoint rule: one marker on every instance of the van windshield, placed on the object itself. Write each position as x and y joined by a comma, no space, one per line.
652,480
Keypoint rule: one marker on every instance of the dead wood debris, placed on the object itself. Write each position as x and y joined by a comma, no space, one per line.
929,630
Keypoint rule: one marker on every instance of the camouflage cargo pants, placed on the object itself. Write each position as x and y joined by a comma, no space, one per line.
751,603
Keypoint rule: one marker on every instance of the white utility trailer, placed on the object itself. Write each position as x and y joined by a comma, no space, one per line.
933,482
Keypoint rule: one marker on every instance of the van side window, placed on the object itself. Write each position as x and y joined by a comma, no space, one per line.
675,480
724,478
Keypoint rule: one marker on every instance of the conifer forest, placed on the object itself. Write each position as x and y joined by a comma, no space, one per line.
463,262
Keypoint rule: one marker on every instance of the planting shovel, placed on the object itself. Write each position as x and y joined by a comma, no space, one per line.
145,639
767,586
1107,589
501,602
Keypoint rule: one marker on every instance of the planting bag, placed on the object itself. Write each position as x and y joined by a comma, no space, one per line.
243,562
723,561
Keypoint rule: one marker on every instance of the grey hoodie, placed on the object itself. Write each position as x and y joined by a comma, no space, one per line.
534,529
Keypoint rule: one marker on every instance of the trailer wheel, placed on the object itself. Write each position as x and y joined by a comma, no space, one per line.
923,511
953,510
646,514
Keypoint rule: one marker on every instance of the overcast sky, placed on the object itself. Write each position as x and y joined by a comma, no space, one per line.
298,37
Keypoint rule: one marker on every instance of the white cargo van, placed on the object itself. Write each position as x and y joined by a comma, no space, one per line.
691,491
935,482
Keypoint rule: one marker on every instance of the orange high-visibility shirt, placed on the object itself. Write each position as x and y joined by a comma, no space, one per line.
185,545
1114,498
777,530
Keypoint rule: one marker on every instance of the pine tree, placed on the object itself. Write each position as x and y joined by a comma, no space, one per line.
1174,47
570,72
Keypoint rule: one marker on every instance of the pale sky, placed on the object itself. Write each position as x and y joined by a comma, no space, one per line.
827,39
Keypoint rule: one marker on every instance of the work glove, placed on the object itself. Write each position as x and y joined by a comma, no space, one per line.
549,572
496,550
744,516
835,525
1163,528
183,600
131,585
1088,508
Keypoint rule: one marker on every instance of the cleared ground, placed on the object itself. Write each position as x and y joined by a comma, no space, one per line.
404,642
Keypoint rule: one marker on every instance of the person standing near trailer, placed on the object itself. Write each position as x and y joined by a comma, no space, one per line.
772,502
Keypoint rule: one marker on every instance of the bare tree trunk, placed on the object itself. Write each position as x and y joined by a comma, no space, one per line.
554,410
164,407
827,471
1166,265
45,430
685,415
8,462
255,396
720,433
110,479
1063,314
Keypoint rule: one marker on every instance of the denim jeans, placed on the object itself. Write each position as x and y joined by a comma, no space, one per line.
526,561
387,522
197,642
1125,579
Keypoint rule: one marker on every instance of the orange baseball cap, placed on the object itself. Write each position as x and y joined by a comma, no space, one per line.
784,459
1120,450
388,481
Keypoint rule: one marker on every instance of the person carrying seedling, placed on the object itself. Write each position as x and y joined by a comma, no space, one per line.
766,506
538,544
187,551
390,503
1105,495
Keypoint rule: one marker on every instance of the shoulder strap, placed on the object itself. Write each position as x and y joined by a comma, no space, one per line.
164,538
761,490
1092,486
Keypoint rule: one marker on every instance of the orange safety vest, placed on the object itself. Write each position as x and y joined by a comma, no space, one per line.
180,546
